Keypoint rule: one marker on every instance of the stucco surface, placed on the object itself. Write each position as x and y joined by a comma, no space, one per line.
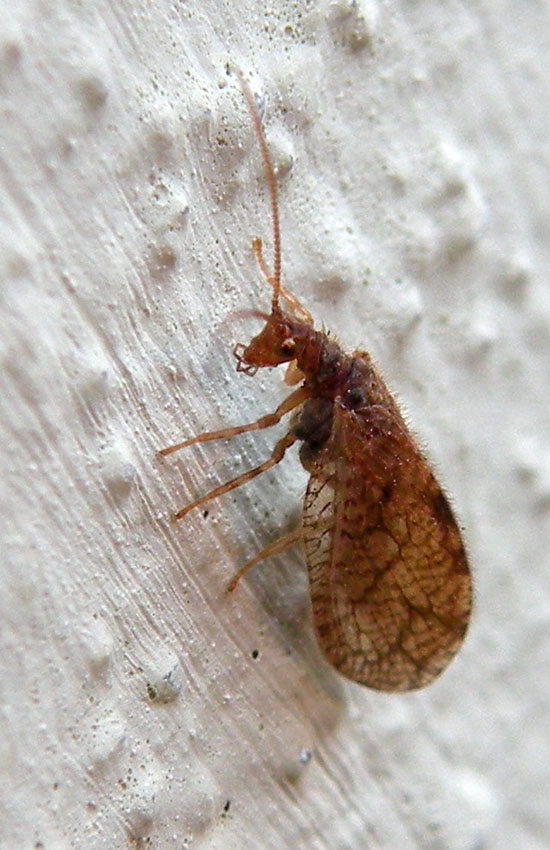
139,705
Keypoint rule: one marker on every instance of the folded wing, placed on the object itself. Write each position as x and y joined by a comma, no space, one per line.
390,585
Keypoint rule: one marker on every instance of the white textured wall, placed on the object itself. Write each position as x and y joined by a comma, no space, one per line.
413,144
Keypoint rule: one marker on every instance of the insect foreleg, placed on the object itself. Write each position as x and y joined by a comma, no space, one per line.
276,456
292,401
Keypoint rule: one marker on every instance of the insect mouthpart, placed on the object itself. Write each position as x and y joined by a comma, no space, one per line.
242,366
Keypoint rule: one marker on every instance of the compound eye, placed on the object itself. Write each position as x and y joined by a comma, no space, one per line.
288,346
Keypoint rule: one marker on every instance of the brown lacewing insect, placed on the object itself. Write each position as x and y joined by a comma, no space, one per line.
390,586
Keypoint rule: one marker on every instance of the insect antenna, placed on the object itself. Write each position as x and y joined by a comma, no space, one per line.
275,278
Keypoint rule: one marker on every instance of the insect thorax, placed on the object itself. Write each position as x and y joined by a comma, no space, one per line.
326,370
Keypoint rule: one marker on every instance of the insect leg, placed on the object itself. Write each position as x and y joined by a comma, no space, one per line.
274,548
292,401
278,453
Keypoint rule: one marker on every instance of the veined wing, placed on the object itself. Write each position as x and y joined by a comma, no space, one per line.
390,585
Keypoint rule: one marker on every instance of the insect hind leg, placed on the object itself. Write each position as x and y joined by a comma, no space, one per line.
275,548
